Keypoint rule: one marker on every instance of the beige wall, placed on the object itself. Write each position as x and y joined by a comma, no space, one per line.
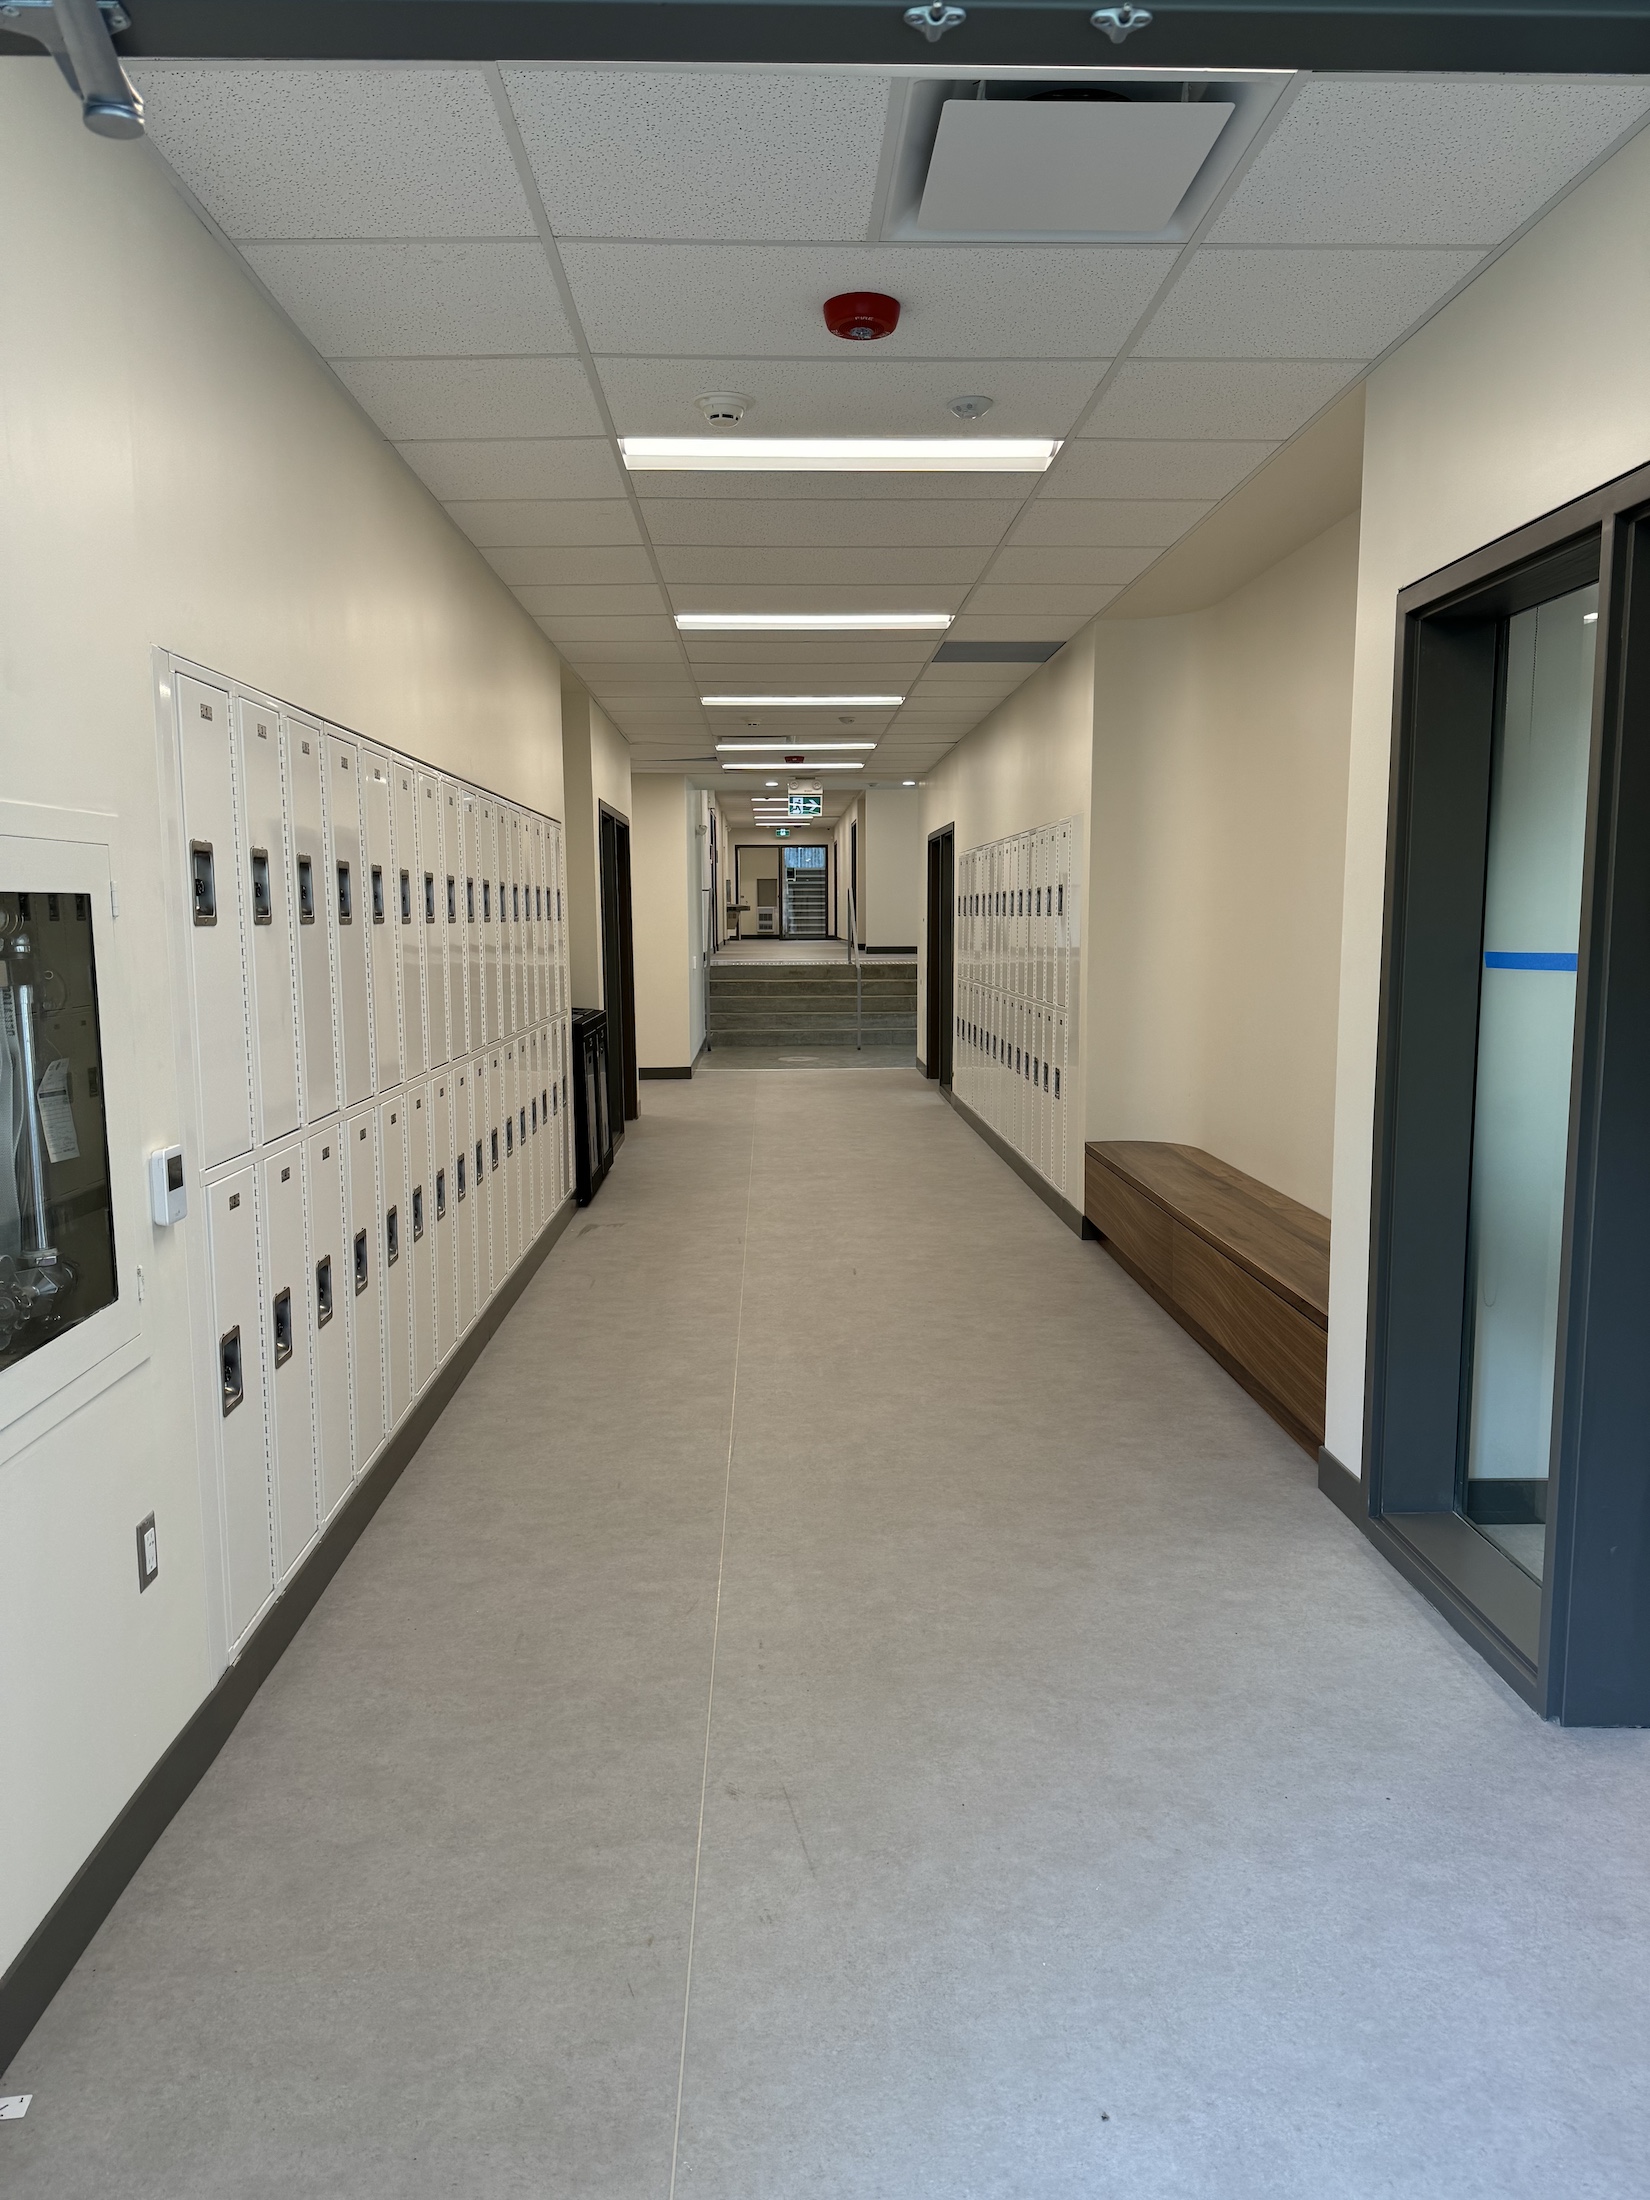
597,763
667,870
1217,837
892,860
177,469
1525,392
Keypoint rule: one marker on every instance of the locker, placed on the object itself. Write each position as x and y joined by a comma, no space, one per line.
443,1205
395,1253
438,892
287,1340
264,845
383,930
492,1027
515,1181
351,919
409,910
237,1346
538,996
477,1032
489,1156
316,910
329,1271
211,887
364,1286
509,913
421,1216
533,1204
521,922
466,1153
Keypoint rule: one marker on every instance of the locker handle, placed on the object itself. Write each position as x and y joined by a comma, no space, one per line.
360,1262
441,1195
406,897
283,1327
346,904
429,897
306,891
263,908
1057,1084
535,1114
392,1237
323,1291
232,1383
544,1102
378,893
418,1212
523,1126
452,899
470,899
515,904
203,883
461,1184
494,1136
509,1137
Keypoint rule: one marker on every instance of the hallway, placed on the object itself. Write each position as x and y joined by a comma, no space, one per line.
1054,1837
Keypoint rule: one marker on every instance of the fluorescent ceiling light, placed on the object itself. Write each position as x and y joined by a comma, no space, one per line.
782,741
802,702
824,765
838,454
813,622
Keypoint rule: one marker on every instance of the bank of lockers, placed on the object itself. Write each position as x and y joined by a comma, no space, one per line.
1018,958
377,959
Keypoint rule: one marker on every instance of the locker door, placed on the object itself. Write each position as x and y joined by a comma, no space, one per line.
490,1215
409,910
384,949
533,841
316,906
537,1144
287,1335
442,1208
433,889
421,1218
476,1026
238,1355
352,915
509,1164
492,1029
509,909
364,1285
395,1252
211,890
458,930
328,1299
468,1199
268,903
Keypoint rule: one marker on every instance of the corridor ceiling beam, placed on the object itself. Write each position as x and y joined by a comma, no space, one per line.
1566,36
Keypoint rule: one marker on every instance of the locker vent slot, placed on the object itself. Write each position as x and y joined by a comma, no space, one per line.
406,897
441,1194
418,1212
283,1327
203,882
392,1236
346,904
231,1383
306,891
323,1291
378,893
263,909
360,1262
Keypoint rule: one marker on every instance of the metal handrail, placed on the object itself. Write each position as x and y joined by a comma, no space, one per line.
859,977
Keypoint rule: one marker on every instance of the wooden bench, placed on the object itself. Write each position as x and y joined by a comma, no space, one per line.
1239,1266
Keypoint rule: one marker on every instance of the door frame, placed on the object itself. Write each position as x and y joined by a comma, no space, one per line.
618,968
941,988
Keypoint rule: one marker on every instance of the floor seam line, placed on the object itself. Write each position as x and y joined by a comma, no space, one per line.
715,1643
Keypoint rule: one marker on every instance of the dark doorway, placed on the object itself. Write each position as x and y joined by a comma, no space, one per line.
942,868
853,881
618,968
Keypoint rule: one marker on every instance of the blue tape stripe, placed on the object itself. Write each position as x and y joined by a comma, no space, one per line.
1500,958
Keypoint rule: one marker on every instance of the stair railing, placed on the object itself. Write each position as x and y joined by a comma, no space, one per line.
859,978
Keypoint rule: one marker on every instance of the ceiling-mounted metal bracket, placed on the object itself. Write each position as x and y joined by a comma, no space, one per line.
935,20
1117,23
76,33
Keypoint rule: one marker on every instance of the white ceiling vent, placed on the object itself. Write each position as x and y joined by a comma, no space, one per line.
1088,161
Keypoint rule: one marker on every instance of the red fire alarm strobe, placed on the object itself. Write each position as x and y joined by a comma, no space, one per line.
862,315
796,759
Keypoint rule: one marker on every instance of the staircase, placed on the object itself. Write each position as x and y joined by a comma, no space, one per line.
805,1007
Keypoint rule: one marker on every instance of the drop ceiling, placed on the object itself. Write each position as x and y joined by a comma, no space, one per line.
508,266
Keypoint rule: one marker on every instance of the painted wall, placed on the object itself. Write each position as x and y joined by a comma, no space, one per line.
668,867
893,859
1217,837
1526,391
177,468
847,879
597,765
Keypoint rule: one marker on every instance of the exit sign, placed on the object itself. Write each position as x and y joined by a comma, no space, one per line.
804,805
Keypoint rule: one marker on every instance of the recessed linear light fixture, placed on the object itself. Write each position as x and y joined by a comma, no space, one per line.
784,742
838,454
802,702
825,764
813,622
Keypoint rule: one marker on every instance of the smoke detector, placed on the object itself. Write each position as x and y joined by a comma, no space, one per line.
725,410
862,315
970,408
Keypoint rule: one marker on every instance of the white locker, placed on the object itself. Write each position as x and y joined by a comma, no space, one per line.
476,1029
537,1145
443,1209
365,1285
421,1168
453,844
515,1157
509,900
315,908
395,1250
521,922
409,910
384,950
264,838
287,1335
237,1320
211,886
434,886
492,1023
351,915
329,1288
466,1160
489,1216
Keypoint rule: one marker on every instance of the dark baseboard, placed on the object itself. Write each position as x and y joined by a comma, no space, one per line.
1073,1217
66,1931
684,1070
1348,1492
888,950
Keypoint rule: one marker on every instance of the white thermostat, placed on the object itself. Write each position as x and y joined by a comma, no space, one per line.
168,1200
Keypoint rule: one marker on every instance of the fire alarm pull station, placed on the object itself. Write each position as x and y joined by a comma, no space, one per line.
168,1198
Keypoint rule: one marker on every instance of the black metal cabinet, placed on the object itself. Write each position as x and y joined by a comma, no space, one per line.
592,1128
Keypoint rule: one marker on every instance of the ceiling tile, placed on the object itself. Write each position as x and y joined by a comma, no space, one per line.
812,662
377,299
1118,467
858,393
505,468
1014,596
763,301
572,603
293,151
980,521
545,567
815,596
1042,626
804,489
1298,303
866,565
1242,399
530,523
417,399
700,153
1356,162
1106,522
585,628
1086,568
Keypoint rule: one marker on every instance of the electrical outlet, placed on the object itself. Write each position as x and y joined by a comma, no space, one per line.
148,1553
